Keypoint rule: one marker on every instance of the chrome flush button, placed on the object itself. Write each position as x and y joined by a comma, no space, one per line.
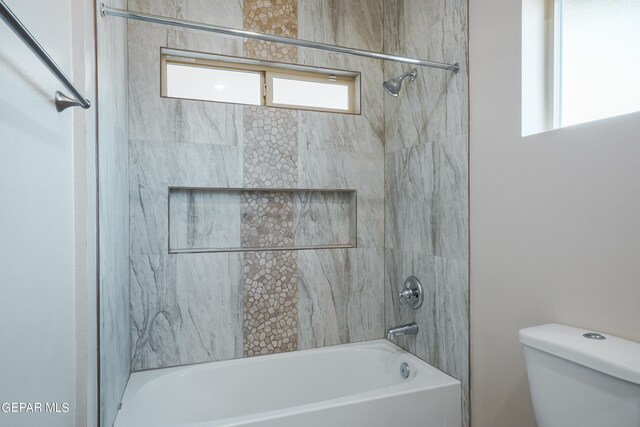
594,336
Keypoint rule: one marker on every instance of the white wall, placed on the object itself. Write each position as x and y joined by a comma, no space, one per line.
47,243
555,222
85,145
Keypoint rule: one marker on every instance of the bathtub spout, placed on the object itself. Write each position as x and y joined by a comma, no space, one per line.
398,331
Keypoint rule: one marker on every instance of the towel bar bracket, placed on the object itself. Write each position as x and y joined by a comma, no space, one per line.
62,101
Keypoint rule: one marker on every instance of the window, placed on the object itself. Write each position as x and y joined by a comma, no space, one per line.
192,81
579,61
199,76
599,64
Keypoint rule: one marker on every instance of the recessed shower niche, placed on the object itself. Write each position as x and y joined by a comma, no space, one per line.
233,220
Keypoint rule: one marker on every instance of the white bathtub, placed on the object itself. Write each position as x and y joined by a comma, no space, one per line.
346,385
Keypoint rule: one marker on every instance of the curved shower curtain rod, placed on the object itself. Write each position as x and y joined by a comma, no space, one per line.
157,19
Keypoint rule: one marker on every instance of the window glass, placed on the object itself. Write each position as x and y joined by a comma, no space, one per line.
313,94
209,77
213,84
599,44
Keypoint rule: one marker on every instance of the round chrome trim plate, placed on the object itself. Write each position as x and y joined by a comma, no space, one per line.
405,370
594,336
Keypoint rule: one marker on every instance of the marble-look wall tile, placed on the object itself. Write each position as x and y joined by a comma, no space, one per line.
217,12
365,312
113,205
426,188
440,97
352,23
154,167
363,133
176,300
185,309
423,176
159,119
399,265
359,171
204,219
341,291
452,323
324,280
435,106
323,218
406,18
349,23
443,337
410,179
270,302
341,296
451,204
182,9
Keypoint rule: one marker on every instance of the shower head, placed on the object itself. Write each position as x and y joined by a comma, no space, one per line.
392,86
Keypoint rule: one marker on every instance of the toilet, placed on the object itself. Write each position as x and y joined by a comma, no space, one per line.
579,378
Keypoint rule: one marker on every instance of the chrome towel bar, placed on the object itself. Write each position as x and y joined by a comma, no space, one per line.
61,100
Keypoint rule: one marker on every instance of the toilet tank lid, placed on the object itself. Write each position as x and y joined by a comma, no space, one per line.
613,356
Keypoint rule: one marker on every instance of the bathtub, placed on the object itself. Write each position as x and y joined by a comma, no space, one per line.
346,385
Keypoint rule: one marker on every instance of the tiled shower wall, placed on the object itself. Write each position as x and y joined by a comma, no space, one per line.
426,182
188,308
405,156
113,155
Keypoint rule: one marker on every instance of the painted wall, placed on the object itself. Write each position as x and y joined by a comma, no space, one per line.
113,203
426,183
47,224
190,308
555,222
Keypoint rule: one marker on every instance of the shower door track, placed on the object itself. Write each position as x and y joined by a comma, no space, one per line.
233,32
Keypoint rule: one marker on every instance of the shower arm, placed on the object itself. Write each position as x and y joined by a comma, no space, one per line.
193,25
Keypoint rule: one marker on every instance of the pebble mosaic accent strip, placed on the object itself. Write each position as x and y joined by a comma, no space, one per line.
270,157
266,219
270,147
270,303
279,17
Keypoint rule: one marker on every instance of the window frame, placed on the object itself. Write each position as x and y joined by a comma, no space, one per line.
309,77
268,70
163,79
554,63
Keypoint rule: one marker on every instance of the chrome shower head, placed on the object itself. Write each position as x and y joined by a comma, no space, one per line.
392,86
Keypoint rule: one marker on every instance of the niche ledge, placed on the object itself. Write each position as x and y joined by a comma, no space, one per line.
260,219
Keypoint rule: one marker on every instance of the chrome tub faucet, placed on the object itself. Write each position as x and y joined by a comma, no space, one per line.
398,331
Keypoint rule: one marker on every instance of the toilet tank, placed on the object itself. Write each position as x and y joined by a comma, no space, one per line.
591,381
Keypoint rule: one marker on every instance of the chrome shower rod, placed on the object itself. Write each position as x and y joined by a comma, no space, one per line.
157,19
61,100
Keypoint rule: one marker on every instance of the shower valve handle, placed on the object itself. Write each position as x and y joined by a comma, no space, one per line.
412,293
407,294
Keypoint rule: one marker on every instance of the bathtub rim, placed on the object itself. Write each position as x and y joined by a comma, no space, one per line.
435,381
